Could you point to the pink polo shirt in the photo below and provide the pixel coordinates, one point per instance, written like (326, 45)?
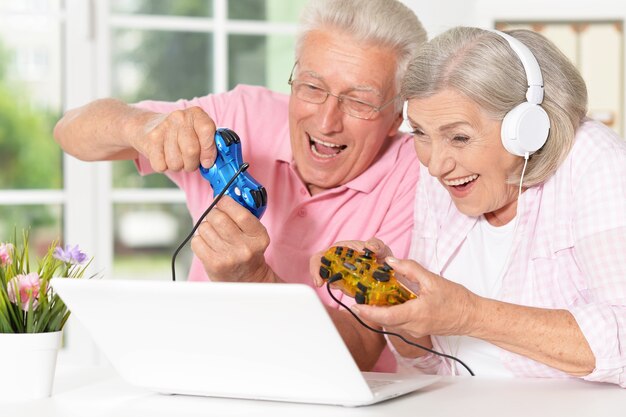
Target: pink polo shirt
(377, 203)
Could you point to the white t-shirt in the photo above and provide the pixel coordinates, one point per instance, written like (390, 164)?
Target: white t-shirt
(479, 266)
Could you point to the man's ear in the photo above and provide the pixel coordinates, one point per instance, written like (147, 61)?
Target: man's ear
(395, 127)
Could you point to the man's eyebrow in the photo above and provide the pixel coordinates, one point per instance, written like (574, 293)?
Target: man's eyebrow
(367, 89)
(363, 88)
(312, 74)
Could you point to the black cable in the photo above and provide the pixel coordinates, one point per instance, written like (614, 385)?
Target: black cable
(392, 333)
(241, 169)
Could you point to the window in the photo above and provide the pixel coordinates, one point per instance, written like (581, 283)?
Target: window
(31, 180)
(59, 54)
(167, 50)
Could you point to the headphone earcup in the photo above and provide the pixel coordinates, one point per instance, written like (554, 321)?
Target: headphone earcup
(525, 129)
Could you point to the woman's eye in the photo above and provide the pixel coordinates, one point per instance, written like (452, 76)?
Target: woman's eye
(420, 136)
(460, 139)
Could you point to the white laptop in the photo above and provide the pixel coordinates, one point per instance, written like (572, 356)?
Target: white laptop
(238, 340)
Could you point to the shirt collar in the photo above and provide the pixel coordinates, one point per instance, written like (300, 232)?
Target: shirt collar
(380, 168)
(283, 153)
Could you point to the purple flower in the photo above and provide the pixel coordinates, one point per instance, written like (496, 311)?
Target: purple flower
(70, 254)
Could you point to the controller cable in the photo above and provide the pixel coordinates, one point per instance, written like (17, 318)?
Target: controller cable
(241, 169)
(384, 332)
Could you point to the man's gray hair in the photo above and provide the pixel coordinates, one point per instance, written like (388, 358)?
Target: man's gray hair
(387, 23)
(482, 66)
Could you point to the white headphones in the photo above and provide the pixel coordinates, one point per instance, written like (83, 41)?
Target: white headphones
(525, 128)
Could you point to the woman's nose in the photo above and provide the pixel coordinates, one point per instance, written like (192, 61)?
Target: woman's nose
(441, 161)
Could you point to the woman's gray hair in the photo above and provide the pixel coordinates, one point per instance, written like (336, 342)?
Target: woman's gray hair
(481, 65)
(386, 23)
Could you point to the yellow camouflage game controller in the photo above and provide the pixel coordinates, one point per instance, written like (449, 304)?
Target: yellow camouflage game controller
(358, 275)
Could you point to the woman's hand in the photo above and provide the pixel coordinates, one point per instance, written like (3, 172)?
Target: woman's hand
(442, 307)
(375, 245)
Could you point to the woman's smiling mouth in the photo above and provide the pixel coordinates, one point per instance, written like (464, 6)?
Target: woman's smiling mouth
(460, 184)
(460, 181)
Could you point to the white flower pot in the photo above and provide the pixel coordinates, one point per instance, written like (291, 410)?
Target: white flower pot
(28, 363)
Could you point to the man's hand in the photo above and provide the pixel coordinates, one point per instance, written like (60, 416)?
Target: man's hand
(181, 140)
(231, 244)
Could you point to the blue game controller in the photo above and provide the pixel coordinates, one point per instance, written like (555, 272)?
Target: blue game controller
(245, 190)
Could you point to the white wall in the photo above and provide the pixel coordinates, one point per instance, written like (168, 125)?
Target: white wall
(437, 16)
(486, 10)
(443, 14)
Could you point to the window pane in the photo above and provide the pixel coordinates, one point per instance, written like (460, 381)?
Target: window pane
(202, 8)
(43, 221)
(161, 65)
(30, 100)
(247, 55)
(269, 10)
(260, 60)
(125, 175)
(158, 65)
(146, 236)
(38, 6)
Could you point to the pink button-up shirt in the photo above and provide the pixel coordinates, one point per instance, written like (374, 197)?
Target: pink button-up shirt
(378, 203)
(569, 250)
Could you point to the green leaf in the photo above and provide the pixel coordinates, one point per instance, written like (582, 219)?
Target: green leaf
(30, 315)
(5, 323)
(55, 322)
(15, 314)
(65, 317)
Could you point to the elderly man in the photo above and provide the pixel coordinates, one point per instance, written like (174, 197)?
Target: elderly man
(330, 155)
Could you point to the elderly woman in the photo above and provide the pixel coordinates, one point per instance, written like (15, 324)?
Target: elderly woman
(519, 244)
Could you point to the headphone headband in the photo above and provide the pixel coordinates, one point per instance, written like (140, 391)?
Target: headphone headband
(534, 94)
(526, 127)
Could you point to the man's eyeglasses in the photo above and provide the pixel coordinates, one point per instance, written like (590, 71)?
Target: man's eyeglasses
(312, 93)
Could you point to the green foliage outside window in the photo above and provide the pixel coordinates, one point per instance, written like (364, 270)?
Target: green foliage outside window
(29, 157)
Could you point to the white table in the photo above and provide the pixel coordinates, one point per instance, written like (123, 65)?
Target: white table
(99, 392)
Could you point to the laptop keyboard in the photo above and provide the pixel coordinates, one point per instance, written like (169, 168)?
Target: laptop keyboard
(377, 383)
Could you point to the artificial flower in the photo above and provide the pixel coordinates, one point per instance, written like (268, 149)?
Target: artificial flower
(27, 303)
(5, 253)
(72, 255)
(24, 288)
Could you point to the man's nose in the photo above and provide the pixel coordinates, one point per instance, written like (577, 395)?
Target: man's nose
(331, 116)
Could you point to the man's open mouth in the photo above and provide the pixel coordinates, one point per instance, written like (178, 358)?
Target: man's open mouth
(323, 149)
